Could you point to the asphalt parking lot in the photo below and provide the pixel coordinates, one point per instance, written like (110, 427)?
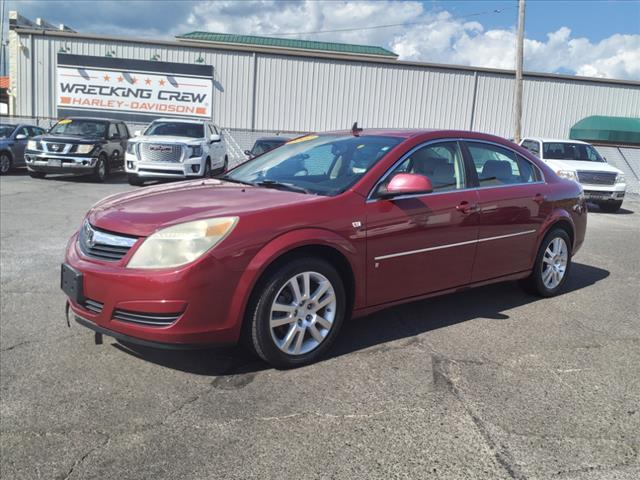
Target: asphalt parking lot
(491, 383)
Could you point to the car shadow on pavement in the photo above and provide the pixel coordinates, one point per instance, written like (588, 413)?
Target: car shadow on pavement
(115, 178)
(394, 323)
(594, 208)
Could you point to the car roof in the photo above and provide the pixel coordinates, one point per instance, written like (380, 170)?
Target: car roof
(19, 125)
(555, 140)
(94, 119)
(271, 139)
(181, 120)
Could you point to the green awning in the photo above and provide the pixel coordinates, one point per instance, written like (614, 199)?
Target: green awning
(597, 128)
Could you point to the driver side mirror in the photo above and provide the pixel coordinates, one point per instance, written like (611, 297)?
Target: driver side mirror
(406, 184)
(21, 136)
(215, 138)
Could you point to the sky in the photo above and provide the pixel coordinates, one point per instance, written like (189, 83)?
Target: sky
(599, 38)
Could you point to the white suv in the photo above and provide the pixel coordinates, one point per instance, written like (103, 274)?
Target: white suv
(579, 161)
(171, 148)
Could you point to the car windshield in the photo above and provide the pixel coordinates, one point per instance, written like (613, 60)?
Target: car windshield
(262, 146)
(6, 130)
(176, 129)
(323, 165)
(571, 151)
(80, 127)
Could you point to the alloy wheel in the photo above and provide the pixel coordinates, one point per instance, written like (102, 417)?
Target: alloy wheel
(554, 263)
(303, 313)
(5, 163)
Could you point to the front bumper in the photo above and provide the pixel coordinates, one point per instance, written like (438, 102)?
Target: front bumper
(199, 296)
(52, 163)
(604, 193)
(191, 167)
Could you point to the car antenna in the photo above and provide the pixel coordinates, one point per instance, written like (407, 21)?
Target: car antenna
(355, 130)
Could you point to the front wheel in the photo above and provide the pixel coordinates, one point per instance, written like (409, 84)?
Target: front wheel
(296, 313)
(100, 170)
(610, 207)
(225, 166)
(552, 265)
(5, 163)
(135, 180)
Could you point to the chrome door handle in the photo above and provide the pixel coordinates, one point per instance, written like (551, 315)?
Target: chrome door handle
(539, 198)
(466, 207)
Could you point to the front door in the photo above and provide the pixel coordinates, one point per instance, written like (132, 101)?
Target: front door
(422, 243)
(512, 206)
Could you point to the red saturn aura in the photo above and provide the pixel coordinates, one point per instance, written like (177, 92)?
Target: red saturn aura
(285, 247)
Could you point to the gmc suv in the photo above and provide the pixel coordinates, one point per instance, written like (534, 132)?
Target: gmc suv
(172, 148)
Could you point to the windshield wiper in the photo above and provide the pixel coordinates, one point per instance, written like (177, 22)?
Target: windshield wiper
(227, 178)
(284, 186)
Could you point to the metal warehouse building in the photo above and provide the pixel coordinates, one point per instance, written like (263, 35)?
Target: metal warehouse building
(262, 84)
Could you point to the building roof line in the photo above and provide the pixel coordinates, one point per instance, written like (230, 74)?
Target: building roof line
(375, 59)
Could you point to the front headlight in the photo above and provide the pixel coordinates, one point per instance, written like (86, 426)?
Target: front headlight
(195, 151)
(569, 174)
(182, 243)
(32, 145)
(620, 178)
(85, 148)
(131, 148)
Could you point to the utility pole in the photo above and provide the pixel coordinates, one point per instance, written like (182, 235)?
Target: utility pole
(517, 134)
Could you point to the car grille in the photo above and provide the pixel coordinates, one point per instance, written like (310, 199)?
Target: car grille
(56, 147)
(153, 319)
(104, 245)
(156, 152)
(93, 305)
(597, 178)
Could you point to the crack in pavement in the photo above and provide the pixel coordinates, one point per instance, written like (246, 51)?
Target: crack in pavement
(84, 457)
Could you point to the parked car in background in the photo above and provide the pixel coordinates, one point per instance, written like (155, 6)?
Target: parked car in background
(13, 141)
(285, 247)
(82, 145)
(265, 144)
(603, 184)
(171, 148)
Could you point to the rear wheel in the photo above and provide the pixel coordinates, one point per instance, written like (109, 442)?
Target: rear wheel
(610, 207)
(101, 169)
(135, 180)
(37, 174)
(552, 265)
(5, 163)
(296, 313)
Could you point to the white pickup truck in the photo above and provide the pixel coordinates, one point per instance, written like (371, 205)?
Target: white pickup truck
(603, 184)
(171, 148)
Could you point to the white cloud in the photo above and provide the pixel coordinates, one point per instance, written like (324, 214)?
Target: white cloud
(439, 37)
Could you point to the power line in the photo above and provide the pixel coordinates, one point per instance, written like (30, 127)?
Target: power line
(375, 27)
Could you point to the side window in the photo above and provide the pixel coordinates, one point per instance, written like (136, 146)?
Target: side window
(499, 166)
(441, 163)
(533, 146)
(124, 131)
(23, 131)
(112, 130)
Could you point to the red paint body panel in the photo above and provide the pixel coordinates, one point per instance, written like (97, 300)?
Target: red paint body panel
(212, 292)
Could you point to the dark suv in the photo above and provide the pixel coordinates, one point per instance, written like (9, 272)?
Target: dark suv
(93, 146)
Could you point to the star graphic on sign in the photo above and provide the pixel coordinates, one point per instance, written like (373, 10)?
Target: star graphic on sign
(106, 78)
(148, 81)
(162, 82)
(120, 78)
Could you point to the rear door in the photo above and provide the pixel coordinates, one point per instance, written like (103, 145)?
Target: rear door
(19, 145)
(417, 244)
(511, 196)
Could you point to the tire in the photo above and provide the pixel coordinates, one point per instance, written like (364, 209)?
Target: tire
(610, 207)
(135, 180)
(207, 168)
(5, 163)
(552, 265)
(37, 175)
(225, 167)
(303, 333)
(101, 170)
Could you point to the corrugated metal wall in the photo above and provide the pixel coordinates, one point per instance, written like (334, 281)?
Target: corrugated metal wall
(307, 94)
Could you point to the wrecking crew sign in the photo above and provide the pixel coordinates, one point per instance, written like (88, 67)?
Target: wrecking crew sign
(132, 90)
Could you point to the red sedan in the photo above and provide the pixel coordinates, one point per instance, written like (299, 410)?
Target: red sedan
(285, 247)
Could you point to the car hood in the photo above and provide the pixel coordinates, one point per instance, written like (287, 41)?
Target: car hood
(141, 212)
(66, 139)
(166, 139)
(582, 166)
